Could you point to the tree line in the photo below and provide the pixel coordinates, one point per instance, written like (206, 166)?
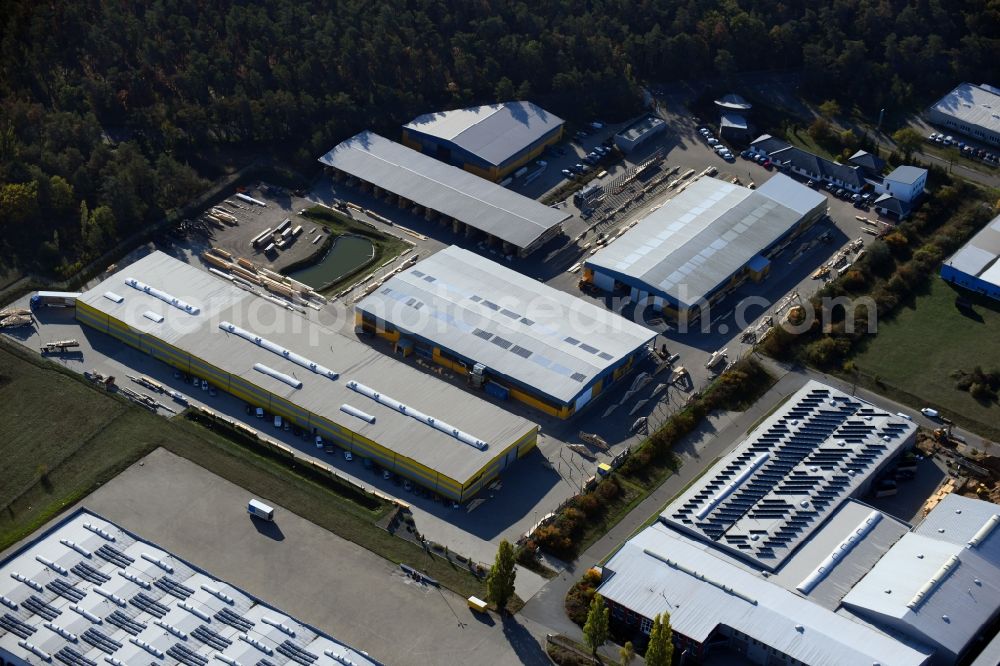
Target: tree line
(112, 114)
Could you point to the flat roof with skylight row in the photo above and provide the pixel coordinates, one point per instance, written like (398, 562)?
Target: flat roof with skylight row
(767, 496)
(87, 592)
(544, 338)
(316, 369)
(450, 191)
(696, 241)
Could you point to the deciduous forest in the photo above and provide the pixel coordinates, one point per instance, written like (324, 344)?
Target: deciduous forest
(112, 113)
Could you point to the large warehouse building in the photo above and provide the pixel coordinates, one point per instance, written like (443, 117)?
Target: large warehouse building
(771, 555)
(971, 110)
(368, 403)
(490, 141)
(706, 241)
(87, 592)
(975, 265)
(513, 336)
(470, 204)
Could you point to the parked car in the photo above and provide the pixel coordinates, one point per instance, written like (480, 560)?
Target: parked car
(260, 412)
(567, 173)
(407, 484)
(348, 456)
(386, 474)
(933, 136)
(761, 159)
(204, 385)
(712, 141)
(277, 422)
(930, 413)
(319, 442)
(767, 164)
(811, 185)
(728, 156)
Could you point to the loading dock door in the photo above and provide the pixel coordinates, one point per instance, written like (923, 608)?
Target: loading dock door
(583, 399)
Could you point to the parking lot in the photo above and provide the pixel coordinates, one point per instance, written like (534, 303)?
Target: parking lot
(304, 570)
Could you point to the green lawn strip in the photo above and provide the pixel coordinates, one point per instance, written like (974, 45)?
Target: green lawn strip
(916, 353)
(44, 417)
(134, 432)
(632, 495)
(800, 137)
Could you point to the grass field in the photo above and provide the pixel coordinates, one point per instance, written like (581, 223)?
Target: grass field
(917, 351)
(61, 438)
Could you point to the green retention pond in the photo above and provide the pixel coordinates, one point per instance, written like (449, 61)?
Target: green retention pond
(347, 254)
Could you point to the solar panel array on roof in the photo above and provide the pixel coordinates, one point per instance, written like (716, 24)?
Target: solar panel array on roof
(778, 485)
(120, 606)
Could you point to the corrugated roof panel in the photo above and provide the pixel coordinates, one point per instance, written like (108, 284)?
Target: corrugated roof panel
(477, 202)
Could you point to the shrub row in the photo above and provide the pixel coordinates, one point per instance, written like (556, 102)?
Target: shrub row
(736, 388)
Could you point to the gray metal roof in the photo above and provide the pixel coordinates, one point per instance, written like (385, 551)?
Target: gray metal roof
(88, 592)
(451, 191)
(734, 120)
(698, 239)
(640, 127)
(775, 488)
(219, 301)
(978, 257)
(907, 174)
(839, 554)
(494, 133)
(957, 519)
(660, 570)
(733, 101)
(796, 157)
(972, 104)
(545, 338)
(939, 592)
(791, 194)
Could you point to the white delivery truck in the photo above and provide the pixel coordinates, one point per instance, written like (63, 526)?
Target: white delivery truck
(258, 509)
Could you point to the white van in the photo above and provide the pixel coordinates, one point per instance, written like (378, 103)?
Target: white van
(277, 422)
(260, 510)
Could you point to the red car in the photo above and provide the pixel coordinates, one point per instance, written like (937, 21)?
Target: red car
(767, 164)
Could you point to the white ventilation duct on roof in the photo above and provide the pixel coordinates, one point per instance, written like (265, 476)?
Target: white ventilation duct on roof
(854, 538)
(280, 376)
(112, 296)
(152, 316)
(731, 487)
(928, 588)
(354, 411)
(163, 296)
(391, 403)
(278, 349)
(984, 531)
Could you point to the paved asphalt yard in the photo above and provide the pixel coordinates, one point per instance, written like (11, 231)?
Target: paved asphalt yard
(306, 571)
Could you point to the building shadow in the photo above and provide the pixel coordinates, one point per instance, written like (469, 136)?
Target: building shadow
(525, 646)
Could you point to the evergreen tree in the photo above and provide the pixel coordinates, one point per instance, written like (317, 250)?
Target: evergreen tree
(500, 581)
(661, 647)
(595, 631)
